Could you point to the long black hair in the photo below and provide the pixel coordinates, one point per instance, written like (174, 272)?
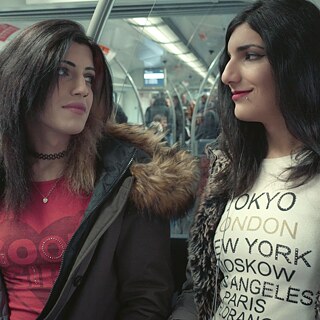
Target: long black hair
(290, 32)
(28, 74)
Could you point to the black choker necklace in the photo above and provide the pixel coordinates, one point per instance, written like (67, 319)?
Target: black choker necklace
(50, 156)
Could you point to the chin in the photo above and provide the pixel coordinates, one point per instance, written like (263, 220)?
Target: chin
(243, 115)
(75, 131)
(240, 116)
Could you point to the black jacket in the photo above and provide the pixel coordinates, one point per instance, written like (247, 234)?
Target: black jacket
(117, 264)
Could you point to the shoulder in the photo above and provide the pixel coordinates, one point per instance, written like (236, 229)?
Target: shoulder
(166, 178)
(218, 159)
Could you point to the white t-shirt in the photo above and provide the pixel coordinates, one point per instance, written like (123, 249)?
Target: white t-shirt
(267, 244)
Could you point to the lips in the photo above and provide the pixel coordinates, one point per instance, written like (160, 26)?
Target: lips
(236, 95)
(78, 108)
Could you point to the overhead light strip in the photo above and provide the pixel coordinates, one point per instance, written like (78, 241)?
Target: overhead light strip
(159, 32)
(56, 1)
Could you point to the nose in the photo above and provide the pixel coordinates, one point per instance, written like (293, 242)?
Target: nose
(80, 87)
(230, 73)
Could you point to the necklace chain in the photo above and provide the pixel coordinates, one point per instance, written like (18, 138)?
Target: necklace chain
(45, 199)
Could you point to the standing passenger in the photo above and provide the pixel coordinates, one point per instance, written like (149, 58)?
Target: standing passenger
(177, 109)
(254, 247)
(158, 107)
(84, 205)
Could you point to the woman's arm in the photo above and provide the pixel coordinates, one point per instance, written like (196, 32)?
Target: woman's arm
(144, 268)
(4, 308)
(184, 308)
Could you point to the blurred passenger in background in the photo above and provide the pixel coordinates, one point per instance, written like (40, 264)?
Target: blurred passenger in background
(159, 125)
(179, 118)
(203, 103)
(156, 124)
(184, 100)
(189, 112)
(207, 123)
(120, 115)
(85, 204)
(254, 246)
(158, 107)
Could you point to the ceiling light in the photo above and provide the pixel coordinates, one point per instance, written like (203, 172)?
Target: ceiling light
(56, 1)
(188, 57)
(159, 32)
(143, 22)
(175, 48)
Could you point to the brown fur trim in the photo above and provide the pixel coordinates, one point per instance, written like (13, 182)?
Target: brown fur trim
(167, 184)
(202, 259)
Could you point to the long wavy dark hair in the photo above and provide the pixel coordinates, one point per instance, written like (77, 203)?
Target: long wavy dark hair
(290, 31)
(28, 74)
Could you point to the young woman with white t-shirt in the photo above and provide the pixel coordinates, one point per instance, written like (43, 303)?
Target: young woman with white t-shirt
(253, 249)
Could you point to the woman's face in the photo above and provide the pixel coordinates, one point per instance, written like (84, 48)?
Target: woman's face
(67, 108)
(250, 79)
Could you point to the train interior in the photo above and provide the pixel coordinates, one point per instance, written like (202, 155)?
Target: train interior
(164, 51)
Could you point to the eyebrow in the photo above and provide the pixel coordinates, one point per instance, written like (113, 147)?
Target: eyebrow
(247, 46)
(73, 65)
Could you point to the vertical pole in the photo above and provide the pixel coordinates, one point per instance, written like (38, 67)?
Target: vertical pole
(99, 18)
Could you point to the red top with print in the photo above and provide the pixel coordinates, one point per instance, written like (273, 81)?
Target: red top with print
(32, 246)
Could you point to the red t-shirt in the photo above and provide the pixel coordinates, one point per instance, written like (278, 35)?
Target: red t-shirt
(31, 247)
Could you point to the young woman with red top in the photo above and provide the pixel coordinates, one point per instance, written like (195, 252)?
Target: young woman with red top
(85, 203)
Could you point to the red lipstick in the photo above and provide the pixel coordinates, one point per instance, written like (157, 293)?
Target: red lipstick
(236, 95)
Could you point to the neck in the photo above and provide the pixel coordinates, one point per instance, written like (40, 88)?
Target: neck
(280, 141)
(48, 170)
(45, 140)
(282, 144)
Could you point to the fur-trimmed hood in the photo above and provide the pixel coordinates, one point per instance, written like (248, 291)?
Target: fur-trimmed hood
(167, 184)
